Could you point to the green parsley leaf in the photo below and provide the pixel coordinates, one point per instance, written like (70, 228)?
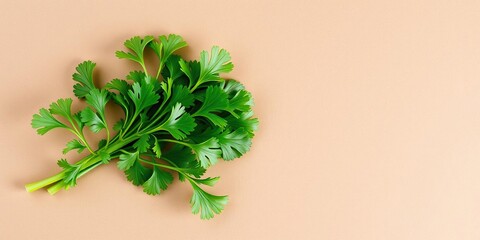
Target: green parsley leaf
(245, 121)
(74, 144)
(104, 156)
(215, 101)
(231, 87)
(157, 48)
(206, 203)
(180, 123)
(127, 160)
(84, 77)
(191, 70)
(121, 86)
(119, 125)
(143, 96)
(142, 144)
(102, 143)
(136, 76)
(173, 67)
(156, 147)
(218, 61)
(62, 108)
(171, 44)
(158, 181)
(98, 100)
(234, 144)
(44, 122)
(207, 152)
(205, 133)
(123, 101)
(137, 46)
(180, 94)
(91, 119)
(138, 174)
(182, 157)
(78, 120)
(208, 181)
(167, 88)
(71, 172)
(241, 102)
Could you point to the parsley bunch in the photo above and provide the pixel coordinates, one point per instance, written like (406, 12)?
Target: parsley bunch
(180, 120)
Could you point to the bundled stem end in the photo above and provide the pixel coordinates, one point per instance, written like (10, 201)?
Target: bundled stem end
(34, 186)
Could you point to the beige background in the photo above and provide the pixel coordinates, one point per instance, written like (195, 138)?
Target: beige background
(370, 119)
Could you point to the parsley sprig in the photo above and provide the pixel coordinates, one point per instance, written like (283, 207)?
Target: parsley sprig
(180, 120)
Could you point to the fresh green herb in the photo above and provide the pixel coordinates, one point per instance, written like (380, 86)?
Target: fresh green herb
(180, 120)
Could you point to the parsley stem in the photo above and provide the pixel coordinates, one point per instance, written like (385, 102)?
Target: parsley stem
(159, 110)
(144, 68)
(80, 135)
(190, 179)
(160, 165)
(159, 69)
(199, 82)
(108, 136)
(126, 119)
(53, 179)
(179, 170)
(129, 125)
(171, 162)
(61, 184)
(174, 141)
(155, 119)
(92, 162)
(89, 162)
(56, 187)
(45, 182)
